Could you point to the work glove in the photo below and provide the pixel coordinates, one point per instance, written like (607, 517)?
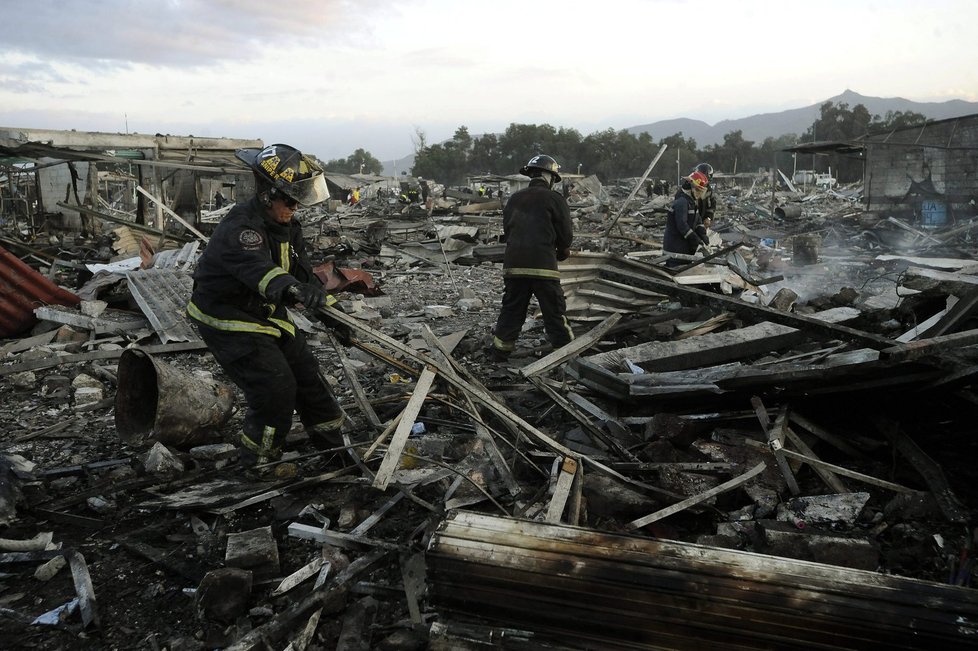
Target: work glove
(341, 331)
(706, 249)
(309, 294)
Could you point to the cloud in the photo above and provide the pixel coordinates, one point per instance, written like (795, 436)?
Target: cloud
(176, 33)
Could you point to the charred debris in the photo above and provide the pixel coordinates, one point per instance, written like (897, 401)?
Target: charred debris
(772, 447)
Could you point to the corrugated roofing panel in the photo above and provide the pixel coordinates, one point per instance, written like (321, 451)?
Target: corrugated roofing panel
(162, 295)
(21, 290)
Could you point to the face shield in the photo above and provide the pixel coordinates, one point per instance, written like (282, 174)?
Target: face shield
(307, 191)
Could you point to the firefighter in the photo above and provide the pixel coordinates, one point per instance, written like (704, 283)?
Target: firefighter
(685, 232)
(253, 267)
(537, 232)
(707, 206)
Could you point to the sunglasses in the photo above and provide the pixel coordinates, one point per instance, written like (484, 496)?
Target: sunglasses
(288, 201)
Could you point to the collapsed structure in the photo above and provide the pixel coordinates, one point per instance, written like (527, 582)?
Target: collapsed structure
(768, 448)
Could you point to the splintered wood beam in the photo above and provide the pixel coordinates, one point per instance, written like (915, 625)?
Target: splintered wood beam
(696, 499)
(481, 431)
(929, 470)
(408, 416)
(575, 347)
(775, 440)
(351, 376)
(827, 476)
(839, 470)
(562, 490)
(167, 210)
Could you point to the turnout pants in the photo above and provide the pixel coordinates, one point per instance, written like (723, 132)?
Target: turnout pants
(278, 375)
(517, 292)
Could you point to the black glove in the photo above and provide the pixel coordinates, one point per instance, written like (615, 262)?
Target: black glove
(311, 295)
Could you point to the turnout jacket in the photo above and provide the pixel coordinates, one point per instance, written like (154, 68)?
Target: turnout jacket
(684, 227)
(537, 231)
(245, 270)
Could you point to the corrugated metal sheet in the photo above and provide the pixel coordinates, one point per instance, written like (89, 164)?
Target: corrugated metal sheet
(162, 295)
(21, 290)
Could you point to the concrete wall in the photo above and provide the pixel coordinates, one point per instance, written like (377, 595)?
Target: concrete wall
(53, 182)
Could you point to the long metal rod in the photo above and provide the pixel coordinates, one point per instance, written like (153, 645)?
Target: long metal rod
(634, 191)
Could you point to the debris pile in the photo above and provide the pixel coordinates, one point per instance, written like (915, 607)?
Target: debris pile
(772, 445)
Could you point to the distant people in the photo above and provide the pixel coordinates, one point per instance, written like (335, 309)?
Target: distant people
(685, 232)
(413, 195)
(482, 190)
(425, 190)
(657, 188)
(219, 200)
(355, 196)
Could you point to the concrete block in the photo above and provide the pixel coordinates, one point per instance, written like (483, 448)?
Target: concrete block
(254, 550)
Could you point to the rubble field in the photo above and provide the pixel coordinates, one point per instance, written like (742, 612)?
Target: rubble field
(769, 447)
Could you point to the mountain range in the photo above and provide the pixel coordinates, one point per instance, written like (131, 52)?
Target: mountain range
(771, 125)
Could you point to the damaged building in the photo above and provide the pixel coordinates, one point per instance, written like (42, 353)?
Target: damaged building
(770, 446)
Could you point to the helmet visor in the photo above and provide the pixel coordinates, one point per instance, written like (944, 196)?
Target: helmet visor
(308, 191)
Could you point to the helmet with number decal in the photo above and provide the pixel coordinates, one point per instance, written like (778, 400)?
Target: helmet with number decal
(283, 171)
(541, 162)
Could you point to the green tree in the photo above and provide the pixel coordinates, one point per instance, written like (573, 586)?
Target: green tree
(359, 162)
(897, 120)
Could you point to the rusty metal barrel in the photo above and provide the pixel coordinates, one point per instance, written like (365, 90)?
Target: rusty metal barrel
(159, 402)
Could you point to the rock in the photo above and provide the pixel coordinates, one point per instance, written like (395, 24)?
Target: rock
(403, 640)
(55, 386)
(470, 304)
(820, 546)
(765, 500)
(911, 506)
(47, 571)
(842, 508)
(608, 498)
(783, 300)
(160, 460)
(100, 505)
(23, 380)
(93, 308)
(68, 335)
(213, 452)
(88, 396)
(223, 594)
(85, 381)
(438, 311)
(254, 550)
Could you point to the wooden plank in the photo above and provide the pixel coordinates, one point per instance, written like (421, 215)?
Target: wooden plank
(565, 479)
(575, 347)
(299, 576)
(775, 440)
(929, 470)
(481, 431)
(845, 472)
(338, 539)
(927, 347)
(696, 499)
(927, 324)
(284, 622)
(827, 476)
(83, 588)
(408, 417)
(706, 350)
(166, 209)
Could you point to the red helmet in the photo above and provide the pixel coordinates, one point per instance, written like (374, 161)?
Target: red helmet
(699, 180)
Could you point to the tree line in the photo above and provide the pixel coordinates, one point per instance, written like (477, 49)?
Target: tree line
(612, 154)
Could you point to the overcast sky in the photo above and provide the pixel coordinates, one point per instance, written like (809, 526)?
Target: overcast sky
(329, 76)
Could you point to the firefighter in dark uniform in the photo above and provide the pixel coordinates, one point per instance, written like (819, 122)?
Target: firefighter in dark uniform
(537, 231)
(685, 232)
(253, 267)
(707, 206)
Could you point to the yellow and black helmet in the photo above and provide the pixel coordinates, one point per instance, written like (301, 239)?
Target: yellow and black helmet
(283, 170)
